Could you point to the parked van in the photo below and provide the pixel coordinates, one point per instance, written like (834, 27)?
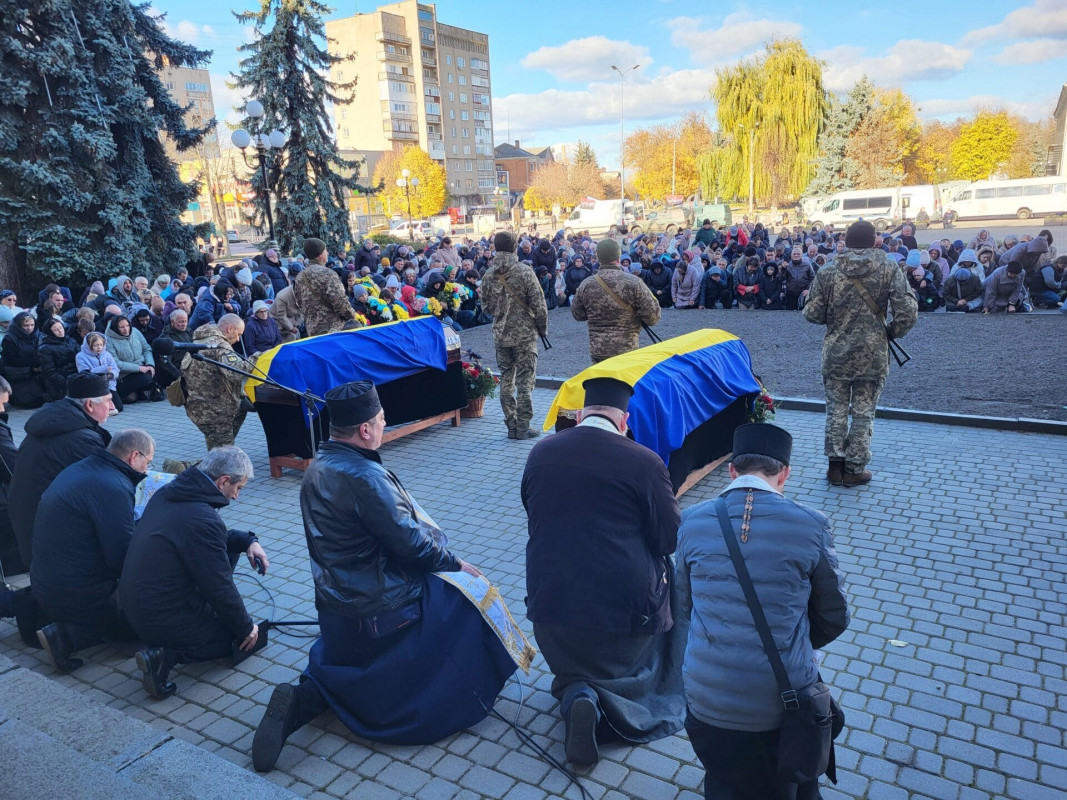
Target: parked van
(421, 228)
(1022, 199)
(599, 215)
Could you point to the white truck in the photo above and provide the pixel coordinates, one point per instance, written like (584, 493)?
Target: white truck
(598, 216)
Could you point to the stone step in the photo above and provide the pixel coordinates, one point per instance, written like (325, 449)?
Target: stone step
(55, 742)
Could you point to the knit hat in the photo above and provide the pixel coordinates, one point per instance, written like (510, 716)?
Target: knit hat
(963, 274)
(392, 282)
(504, 242)
(313, 248)
(913, 259)
(244, 276)
(924, 257)
(919, 273)
(386, 262)
(608, 251)
(258, 306)
(860, 235)
(1014, 267)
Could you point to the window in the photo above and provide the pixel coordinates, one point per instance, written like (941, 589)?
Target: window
(453, 131)
(963, 196)
(482, 115)
(451, 113)
(470, 183)
(344, 132)
(462, 80)
(196, 87)
(1010, 191)
(462, 98)
(401, 108)
(832, 205)
(485, 183)
(170, 85)
(428, 74)
(433, 108)
(466, 133)
(455, 149)
(426, 15)
(400, 88)
(466, 149)
(468, 166)
(478, 80)
(1037, 190)
(451, 97)
(464, 115)
(461, 62)
(344, 113)
(984, 194)
(426, 35)
(477, 63)
(448, 62)
(1059, 188)
(451, 78)
(433, 91)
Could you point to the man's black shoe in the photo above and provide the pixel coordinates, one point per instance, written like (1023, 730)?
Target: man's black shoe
(580, 744)
(56, 645)
(278, 722)
(154, 673)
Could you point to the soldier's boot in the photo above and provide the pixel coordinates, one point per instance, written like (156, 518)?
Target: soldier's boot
(528, 433)
(835, 474)
(856, 478)
(511, 432)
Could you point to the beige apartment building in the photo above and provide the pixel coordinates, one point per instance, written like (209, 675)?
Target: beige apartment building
(423, 83)
(192, 87)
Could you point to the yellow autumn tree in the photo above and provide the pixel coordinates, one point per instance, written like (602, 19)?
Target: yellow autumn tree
(932, 162)
(984, 145)
(431, 195)
(668, 154)
(885, 143)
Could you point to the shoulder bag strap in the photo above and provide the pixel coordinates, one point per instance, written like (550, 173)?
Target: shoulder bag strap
(789, 697)
(611, 293)
(873, 306)
(514, 295)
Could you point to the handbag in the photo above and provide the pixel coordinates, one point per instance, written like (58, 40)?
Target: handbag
(812, 720)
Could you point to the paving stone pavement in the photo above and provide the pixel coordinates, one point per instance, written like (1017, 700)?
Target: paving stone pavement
(956, 550)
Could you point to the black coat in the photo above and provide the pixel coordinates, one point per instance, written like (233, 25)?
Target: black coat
(57, 364)
(369, 550)
(602, 521)
(177, 570)
(543, 258)
(56, 436)
(573, 277)
(81, 535)
(9, 547)
(21, 361)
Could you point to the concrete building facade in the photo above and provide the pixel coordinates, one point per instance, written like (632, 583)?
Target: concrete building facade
(191, 87)
(420, 82)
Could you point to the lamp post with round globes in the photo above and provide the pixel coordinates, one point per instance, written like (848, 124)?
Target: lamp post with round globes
(264, 144)
(409, 185)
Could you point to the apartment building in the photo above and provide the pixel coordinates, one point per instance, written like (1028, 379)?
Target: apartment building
(420, 82)
(191, 87)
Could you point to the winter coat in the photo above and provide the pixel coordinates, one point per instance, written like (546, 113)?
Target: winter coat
(708, 286)
(214, 393)
(58, 362)
(685, 285)
(771, 291)
(177, 574)
(286, 313)
(1003, 290)
(573, 277)
(369, 549)
(970, 289)
(102, 364)
(544, 255)
(706, 237)
(154, 329)
(57, 435)
(602, 565)
(925, 291)
(746, 286)
(185, 337)
(273, 270)
(21, 361)
(1026, 253)
(81, 534)
(366, 257)
(209, 310)
(260, 335)
(119, 296)
(512, 296)
(10, 560)
(791, 559)
(614, 329)
(798, 275)
(659, 282)
(131, 352)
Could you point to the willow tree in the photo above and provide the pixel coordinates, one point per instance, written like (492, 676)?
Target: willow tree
(770, 110)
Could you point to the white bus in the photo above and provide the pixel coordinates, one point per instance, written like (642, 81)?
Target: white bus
(1023, 198)
(880, 206)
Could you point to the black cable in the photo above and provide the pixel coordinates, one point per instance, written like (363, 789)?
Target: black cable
(274, 609)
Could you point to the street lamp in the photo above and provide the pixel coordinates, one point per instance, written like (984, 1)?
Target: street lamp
(622, 137)
(409, 185)
(264, 144)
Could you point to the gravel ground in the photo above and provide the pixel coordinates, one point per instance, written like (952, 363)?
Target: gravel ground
(970, 364)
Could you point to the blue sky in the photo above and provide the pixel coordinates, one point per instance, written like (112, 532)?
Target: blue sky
(551, 60)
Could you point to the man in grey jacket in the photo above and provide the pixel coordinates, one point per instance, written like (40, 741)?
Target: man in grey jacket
(735, 710)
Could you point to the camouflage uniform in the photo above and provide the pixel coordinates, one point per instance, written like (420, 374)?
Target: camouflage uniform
(855, 352)
(321, 300)
(515, 330)
(613, 329)
(214, 394)
(287, 314)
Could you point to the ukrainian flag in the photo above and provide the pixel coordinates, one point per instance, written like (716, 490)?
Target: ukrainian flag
(380, 353)
(679, 384)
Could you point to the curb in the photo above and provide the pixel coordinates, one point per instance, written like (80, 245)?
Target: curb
(1013, 424)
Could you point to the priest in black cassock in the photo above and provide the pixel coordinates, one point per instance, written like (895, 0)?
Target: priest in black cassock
(603, 523)
(403, 657)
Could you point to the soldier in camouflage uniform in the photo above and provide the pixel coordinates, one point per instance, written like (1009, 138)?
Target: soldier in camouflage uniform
(855, 353)
(320, 296)
(214, 396)
(512, 294)
(614, 317)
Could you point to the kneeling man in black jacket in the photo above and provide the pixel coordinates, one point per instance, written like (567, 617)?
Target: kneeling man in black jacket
(177, 586)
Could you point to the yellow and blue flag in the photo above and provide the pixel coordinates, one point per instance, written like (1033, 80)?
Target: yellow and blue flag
(679, 384)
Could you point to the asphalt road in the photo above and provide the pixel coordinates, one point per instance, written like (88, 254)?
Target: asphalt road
(1003, 366)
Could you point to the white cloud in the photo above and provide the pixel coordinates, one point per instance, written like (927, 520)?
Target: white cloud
(226, 100)
(189, 32)
(907, 60)
(587, 59)
(1045, 18)
(1032, 52)
(965, 106)
(738, 34)
(670, 93)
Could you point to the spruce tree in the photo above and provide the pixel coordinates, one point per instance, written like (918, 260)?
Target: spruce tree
(835, 171)
(87, 189)
(584, 155)
(285, 68)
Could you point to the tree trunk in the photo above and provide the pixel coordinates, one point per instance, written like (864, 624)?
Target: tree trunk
(12, 262)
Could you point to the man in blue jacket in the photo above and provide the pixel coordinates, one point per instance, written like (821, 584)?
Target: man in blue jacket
(735, 708)
(80, 537)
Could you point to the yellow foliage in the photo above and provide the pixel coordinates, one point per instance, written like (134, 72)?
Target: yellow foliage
(432, 193)
(983, 146)
(663, 152)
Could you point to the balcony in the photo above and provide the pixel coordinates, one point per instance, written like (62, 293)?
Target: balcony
(396, 76)
(392, 38)
(387, 115)
(429, 60)
(402, 59)
(434, 137)
(407, 136)
(437, 150)
(433, 117)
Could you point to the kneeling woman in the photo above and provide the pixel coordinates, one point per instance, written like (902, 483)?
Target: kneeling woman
(403, 657)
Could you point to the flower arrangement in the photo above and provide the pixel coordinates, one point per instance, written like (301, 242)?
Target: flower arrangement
(372, 287)
(380, 309)
(478, 379)
(399, 312)
(763, 407)
(433, 306)
(362, 320)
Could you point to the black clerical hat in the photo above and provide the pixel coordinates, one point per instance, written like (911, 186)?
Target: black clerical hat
(352, 403)
(763, 439)
(86, 385)
(607, 392)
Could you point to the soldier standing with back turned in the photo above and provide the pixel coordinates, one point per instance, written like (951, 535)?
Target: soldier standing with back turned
(615, 303)
(851, 296)
(512, 294)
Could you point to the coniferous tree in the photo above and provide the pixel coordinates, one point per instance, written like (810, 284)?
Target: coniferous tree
(86, 186)
(285, 69)
(836, 171)
(584, 155)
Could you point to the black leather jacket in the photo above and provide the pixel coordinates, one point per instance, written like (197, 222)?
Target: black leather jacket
(368, 548)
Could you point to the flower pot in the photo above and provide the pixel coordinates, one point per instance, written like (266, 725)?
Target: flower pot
(475, 408)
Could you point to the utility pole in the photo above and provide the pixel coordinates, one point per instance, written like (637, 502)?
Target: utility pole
(622, 138)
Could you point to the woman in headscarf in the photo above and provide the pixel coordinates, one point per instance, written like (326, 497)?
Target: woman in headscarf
(21, 361)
